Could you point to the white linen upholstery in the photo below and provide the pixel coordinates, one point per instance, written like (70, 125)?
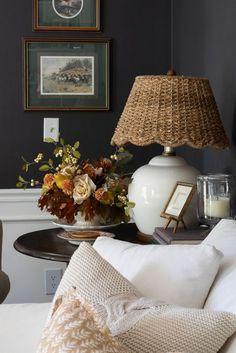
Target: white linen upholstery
(118, 303)
(223, 294)
(21, 326)
(176, 274)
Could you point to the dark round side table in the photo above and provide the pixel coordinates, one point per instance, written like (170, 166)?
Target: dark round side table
(45, 244)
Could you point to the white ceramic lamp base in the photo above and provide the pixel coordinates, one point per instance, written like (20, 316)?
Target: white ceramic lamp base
(151, 188)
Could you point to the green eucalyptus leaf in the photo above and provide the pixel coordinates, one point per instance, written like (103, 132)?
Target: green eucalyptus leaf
(124, 157)
(126, 211)
(62, 142)
(50, 162)
(20, 178)
(19, 185)
(44, 168)
(131, 204)
(49, 140)
(76, 154)
(121, 150)
(76, 145)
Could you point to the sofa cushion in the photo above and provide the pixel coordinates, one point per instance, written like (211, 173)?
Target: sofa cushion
(178, 274)
(189, 330)
(223, 293)
(21, 326)
(94, 278)
(76, 328)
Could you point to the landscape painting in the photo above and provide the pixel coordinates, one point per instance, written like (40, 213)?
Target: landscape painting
(67, 8)
(67, 75)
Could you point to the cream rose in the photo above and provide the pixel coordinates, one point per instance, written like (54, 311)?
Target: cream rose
(83, 188)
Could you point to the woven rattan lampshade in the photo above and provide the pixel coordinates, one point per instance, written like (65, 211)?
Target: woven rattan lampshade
(171, 111)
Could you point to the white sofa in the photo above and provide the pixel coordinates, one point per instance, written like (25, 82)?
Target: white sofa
(21, 324)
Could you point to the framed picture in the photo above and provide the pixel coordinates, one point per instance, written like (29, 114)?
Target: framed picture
(66, 15)
(178, 202)
(66, 74)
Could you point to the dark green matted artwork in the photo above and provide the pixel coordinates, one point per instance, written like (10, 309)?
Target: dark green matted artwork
(66, 74)
(56, 15)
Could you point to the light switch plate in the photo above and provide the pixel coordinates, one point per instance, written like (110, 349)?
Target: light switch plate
(51, 128)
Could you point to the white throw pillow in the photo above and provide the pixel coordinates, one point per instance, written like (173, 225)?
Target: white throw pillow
(177, 274)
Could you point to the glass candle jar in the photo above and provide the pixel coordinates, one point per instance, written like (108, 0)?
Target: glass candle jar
(214, 198)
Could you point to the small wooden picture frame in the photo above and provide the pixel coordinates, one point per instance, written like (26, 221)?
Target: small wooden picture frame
(178, 203)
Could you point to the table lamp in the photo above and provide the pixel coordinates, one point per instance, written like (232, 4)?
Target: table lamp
(172, 111)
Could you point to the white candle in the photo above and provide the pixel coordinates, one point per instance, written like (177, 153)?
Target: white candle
(218, 208)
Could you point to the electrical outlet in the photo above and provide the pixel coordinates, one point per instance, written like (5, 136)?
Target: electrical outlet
(52, 280)
(51, 128)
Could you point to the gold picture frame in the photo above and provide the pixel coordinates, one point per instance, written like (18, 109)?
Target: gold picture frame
(178, 203)
(83, 87)
(49, 15)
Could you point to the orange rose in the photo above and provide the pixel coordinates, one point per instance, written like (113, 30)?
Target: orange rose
(99, 193)
(67, 186)
(48, 180)
(89, 170)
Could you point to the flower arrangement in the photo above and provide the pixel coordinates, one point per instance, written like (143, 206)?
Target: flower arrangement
(97, 188)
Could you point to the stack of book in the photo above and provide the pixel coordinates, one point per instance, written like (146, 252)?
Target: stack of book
(182, 236)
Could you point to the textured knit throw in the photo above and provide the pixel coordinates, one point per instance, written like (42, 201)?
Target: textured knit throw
(148, 326)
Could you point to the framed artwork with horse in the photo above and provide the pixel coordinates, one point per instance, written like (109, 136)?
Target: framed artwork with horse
(66, 74)
(66, 15)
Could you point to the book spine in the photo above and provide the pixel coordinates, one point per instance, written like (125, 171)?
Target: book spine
(159, 240)
(161, 234)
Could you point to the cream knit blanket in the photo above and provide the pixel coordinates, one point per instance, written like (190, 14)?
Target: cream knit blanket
(149, 326)
(123, 311)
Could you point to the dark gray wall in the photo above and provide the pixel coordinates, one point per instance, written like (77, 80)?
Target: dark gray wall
(204, 33)
(204, 45)
(140, 45)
